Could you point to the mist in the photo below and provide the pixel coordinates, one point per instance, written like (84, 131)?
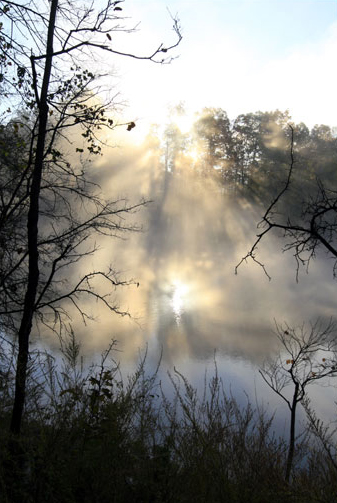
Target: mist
(186, 300)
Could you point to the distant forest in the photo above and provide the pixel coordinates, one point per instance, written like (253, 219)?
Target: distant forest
(263, 158)
(250, 155)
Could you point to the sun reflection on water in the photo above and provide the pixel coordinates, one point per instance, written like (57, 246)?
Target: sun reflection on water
(179, 299)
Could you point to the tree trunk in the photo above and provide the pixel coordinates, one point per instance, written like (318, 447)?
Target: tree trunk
(292, 434)
(32, 226)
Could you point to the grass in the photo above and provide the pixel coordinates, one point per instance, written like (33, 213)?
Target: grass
(90, 436)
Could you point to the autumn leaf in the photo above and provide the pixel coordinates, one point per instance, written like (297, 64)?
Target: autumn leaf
(131, 125)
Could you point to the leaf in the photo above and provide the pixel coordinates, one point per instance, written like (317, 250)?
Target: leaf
(131, 125)
(107, 376)
(93, 380)
(21, 71)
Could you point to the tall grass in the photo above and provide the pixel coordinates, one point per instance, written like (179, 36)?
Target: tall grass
(91, 436)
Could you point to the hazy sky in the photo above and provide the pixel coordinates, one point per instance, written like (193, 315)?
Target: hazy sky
(240, 55)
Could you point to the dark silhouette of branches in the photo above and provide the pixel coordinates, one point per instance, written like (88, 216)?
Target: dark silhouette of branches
(315, 228)
(306, 357)
(48, 204)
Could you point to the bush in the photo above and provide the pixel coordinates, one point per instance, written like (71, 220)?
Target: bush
(90, 436)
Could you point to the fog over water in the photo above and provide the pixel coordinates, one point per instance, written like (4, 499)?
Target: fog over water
(189, 301)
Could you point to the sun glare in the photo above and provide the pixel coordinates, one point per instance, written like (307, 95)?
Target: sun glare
(179, 298)
(183, 122)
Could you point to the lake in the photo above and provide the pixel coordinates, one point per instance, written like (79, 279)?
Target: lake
(187, 303)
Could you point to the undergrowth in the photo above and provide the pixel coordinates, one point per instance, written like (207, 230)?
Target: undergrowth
(90, 436)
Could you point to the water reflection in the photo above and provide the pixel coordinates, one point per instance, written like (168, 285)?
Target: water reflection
(188, 304)
(179, 299)
(189, 301)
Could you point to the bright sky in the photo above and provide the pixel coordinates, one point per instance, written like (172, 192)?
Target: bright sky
(240, 55)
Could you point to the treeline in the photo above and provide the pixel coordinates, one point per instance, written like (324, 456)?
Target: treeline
(250, 155)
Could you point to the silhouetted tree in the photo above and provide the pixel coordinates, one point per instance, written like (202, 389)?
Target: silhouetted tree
(245, 155)
(306, 357)
(46, 47)
(213, 132)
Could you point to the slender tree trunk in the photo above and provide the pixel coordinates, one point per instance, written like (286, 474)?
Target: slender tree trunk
(292, 434)
(32, 226)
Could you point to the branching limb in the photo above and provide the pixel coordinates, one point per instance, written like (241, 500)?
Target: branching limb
(317, 227)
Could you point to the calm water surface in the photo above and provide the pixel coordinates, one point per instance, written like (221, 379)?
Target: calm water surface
(189, 303)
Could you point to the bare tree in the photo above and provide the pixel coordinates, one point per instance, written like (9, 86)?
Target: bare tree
(50, 82)
(306, 357)
(315, 228)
